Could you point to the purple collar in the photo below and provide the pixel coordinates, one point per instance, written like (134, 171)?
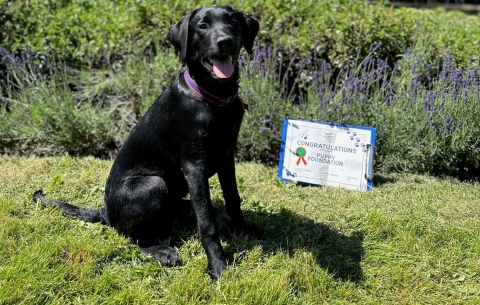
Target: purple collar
(207, 96)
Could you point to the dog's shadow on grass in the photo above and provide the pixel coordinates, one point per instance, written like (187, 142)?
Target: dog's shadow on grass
(285, 231)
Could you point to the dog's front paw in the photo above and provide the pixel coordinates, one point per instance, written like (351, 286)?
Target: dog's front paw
(216, 270)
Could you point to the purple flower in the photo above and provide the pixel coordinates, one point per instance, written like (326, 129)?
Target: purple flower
(247, 93)
(390, 99)
(7, 60)
(6, 102)
(443, 73)
(241, 62)
(374, 47)
(367, 60)
(432, 95)
(443, 96)
(448, 120)
(427, 106)
(395, 68)
(384, 83)
(415, 64)
(302, 63)
(409, 52)
(300, 100)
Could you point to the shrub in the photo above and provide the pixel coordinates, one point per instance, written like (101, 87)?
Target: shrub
(86, 31)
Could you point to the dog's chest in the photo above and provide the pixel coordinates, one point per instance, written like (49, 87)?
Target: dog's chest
(222, 137)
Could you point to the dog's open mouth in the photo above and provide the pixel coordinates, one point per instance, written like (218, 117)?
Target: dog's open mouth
(222, 68)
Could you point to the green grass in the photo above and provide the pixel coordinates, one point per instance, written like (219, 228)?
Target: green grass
(412, 240)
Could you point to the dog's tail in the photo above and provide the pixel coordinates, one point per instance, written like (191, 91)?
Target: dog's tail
(89, 215)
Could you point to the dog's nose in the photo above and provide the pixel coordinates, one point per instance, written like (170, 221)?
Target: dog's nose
(225, 43)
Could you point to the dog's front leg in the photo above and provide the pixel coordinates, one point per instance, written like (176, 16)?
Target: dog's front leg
(228, 182)
(197, 181)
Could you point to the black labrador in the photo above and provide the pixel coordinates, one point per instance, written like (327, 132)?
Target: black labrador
(188, 135)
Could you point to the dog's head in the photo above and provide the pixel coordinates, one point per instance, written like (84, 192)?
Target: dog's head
(211, 39)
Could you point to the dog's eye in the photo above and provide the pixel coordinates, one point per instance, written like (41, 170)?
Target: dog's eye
(203, 26)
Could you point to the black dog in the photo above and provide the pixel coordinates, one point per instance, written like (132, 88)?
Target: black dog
(188, 135)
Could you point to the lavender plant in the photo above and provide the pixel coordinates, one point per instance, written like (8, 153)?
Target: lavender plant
(425, 111)
(425, 115)
(39, 114)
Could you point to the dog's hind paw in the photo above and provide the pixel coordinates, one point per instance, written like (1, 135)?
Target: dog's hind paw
(167, 256)
(248, 230)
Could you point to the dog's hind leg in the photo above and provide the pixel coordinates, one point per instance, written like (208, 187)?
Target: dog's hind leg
(139, 208)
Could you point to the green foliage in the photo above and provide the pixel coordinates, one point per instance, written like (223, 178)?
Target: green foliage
(448, 31)
(98, 30)
(81, 31)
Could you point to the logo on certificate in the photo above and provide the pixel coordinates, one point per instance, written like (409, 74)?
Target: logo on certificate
(301, 153)
(330, 137)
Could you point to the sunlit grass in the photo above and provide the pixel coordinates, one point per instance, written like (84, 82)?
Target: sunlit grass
(411, 240)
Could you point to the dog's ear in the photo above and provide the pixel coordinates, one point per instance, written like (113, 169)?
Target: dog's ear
(250, 27)
(178, 35)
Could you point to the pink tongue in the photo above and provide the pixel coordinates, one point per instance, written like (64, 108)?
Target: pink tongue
(223, 68)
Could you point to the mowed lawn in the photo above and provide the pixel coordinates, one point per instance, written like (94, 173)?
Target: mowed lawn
(411, 240)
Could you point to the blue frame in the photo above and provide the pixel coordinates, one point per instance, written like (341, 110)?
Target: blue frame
(284, 139)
